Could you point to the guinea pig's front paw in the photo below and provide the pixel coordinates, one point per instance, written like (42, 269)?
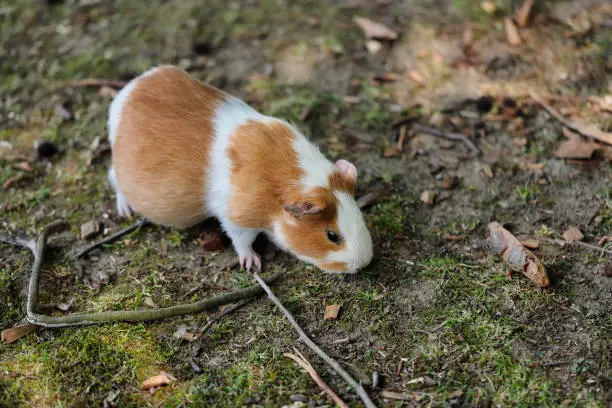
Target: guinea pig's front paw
(250, 259)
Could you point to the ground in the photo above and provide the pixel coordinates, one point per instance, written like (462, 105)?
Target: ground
(434, 315)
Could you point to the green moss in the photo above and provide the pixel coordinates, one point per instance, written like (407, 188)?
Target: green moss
(390, 216)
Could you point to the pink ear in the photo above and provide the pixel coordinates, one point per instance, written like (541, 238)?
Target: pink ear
(346, 168)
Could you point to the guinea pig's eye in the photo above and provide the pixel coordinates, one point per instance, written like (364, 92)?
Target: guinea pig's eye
(333, 237)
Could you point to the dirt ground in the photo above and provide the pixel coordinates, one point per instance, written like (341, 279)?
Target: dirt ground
(434, 315)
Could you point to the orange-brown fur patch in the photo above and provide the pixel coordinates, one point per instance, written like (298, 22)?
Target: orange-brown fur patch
(266, 178)
(309, 233)
(163, 144)
(340, 182)
(265, 172)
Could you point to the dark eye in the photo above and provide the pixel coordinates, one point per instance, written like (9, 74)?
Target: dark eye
(333, 237)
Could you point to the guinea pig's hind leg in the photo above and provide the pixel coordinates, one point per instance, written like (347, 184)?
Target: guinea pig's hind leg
(243, 239)
(123, 207)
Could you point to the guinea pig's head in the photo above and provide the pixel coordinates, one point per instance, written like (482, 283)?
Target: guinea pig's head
(325, 227)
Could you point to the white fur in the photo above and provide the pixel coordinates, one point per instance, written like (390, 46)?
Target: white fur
(358, 240)
(230, 115)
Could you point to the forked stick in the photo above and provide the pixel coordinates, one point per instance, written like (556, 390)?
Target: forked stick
(306, 340)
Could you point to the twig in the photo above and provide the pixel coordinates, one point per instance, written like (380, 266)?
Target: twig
(224, 312)
(592, 247)
(401, 139)
(372, 197)
(306, 340)
(590, 131)
(305, 364)
(97, 82)
(447, 135)
(84, 250)
(77, 319)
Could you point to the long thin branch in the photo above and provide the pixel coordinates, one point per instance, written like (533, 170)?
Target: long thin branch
(97, 82)
(86, 249)
(591, 247)
(306, 340)
(447, 135)
(305, 364)
(77, 319)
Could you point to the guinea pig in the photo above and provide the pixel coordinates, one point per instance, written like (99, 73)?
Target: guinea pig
(183, 151)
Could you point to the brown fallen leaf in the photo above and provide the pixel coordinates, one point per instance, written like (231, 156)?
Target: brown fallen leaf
(575, 147)
(13, 334)
(9, 181)
(331, 312)
(605, 239)
(512, 33)
(416, 77)
(375, 30)
(163, 378)
(391, 151)
(486, 169)
(576, 124)
(453, 237)
(522, 14)
(530, 243)
(573, 234)
(211, 241)
(503, 243)
(24, 165)
(428, 197)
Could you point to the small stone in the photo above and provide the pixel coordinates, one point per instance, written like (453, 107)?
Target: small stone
(90, 229)
(373, 46)
(488, 6)
(573, 234)
(428, 197)
(298, 397)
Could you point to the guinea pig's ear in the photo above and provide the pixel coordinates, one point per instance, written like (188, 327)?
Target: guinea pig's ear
(303, 208)
(346, 169)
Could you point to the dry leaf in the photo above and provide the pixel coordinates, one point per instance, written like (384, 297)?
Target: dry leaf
(24, 165)
(486, 169)
(575, 147)
(453, 237)
(428, 197)
(522, 14)
(391, 151)
(605, 239)
(159, 380)
(573, 234)
(13, 334)
(530, 243)
(372, 29)
(416, 77)
(331, 312)
(211, 241)
(503, 243)
(512, 33)
(9, 181)
(577, 125)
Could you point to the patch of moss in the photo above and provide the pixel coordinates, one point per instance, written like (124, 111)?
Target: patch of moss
(390, 216)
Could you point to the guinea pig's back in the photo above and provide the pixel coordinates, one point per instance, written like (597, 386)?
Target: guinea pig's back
(161, 130)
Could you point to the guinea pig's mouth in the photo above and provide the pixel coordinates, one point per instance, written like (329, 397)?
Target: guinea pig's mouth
(338, 268)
